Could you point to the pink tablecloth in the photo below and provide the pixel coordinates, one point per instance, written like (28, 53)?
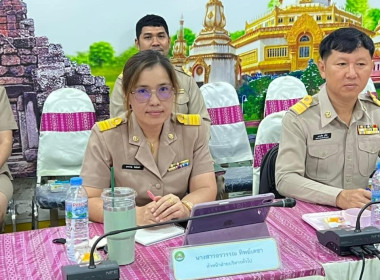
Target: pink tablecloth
(32, 255)
(289, 222)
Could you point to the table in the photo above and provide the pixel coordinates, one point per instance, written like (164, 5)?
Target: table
(32, 255)
(289, 222)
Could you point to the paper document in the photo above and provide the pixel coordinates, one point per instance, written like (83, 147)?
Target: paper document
(149, 236)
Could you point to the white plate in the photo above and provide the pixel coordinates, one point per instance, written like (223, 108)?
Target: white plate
(317, 220)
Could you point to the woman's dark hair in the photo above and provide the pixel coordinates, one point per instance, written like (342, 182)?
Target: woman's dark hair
(345, 40)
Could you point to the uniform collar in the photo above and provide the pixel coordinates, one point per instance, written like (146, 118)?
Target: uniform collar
(327, 110)
(328, 113)
(144, 156)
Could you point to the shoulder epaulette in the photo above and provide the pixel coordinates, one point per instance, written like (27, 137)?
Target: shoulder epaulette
(186, 70)
(120, 76)
(374, 97)
(302, 105)
(109, 124)
(189, 119)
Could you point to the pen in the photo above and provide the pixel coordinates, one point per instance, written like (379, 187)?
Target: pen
(152, 197)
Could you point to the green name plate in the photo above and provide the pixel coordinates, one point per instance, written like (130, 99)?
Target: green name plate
(212, 260)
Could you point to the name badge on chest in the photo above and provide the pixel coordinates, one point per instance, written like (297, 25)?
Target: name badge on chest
(322, 136)
(132, 166)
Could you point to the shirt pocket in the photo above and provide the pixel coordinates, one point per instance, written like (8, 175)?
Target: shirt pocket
(367, 154)
(182, 103)
(322, 162)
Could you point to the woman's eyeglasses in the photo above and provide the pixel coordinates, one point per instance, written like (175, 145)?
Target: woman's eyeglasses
(143, 94)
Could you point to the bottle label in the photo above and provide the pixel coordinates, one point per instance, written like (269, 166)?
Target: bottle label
(77, 210)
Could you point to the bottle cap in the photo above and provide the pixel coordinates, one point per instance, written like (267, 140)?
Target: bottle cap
(76, 181)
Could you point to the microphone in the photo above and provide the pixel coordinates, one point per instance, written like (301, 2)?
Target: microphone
(341, 241)
(110, 269)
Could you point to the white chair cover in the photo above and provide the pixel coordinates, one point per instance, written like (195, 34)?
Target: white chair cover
(66, 121)
(268, 135)
(370, 86)
(229, 140)
(283, 92)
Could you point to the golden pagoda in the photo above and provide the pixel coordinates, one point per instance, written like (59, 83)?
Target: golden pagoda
(212, 58)
(287, 37)
(179, 47)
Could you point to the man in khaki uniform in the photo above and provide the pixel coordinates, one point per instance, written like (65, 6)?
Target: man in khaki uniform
(152, 33)
(330, 142)
(7, 124)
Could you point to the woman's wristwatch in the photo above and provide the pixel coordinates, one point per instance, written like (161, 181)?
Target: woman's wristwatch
(188, 205)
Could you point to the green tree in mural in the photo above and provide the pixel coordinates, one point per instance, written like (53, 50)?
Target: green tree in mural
(101, 53)
(357, 6)
(273, 3)
(311, 78)
(80, 58)
(254, 108)
(189, 37)
(371, 19)
(237, 34)
(123, 58)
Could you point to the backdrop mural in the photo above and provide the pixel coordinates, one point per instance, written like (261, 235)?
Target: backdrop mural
(256, 46)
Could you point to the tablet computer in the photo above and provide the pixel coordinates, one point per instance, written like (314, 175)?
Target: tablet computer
(246, 224)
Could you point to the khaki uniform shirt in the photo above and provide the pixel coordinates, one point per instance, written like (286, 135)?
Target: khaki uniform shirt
(126, 148)
(319, 155)
(190, 99)
(7, 122)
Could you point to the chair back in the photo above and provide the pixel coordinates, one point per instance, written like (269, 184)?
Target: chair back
(229, 139)
(66, 121)
(267, 173)
(283, 92)
(268, 136)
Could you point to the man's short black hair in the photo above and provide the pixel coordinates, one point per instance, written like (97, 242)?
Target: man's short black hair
(150, 20)
(345, 40)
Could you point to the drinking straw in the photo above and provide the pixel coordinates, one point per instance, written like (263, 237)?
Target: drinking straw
(113, 186)
(112, 181)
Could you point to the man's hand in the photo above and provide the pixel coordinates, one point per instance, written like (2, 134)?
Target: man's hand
(356, 198)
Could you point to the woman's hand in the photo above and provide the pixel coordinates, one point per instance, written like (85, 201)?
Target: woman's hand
(169, 207)
(144, 214)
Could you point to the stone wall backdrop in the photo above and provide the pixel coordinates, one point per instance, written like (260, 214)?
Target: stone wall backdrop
(30, 69)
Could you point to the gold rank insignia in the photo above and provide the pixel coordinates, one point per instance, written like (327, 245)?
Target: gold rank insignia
(109, 124)
(189, 119)
(302, 105)
(184, 69)
(366, 129)
(120, 76)
(374, 97)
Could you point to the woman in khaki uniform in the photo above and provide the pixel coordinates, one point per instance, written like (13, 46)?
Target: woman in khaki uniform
(150, 150)
(7, 124)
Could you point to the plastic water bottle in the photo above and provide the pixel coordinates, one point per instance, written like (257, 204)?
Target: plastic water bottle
(76, 212)
(375, 208)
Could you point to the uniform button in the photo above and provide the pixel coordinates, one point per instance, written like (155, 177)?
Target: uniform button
(324, 154)
(158, 186)
(348, 180)
(349, 157)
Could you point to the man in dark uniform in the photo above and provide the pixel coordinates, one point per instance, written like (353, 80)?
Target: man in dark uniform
(152, 33)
